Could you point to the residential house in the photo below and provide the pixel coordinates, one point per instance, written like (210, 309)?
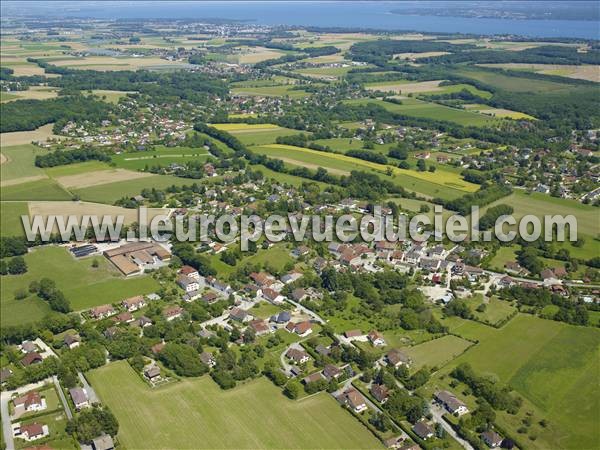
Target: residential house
(31, 358)
(301, 250)
(376, 338)
(353, 334)
(290, 277)
(28, 347)
(72, 341)
(172, 312)
(272, 296)
(297, 355)
(79, 397)
(32, 431)
(451, 403)
(188, 284)
(189, 272)
(355, 400)
(239, 315)
(491, 438)
(302, 329)
(331, 372)
(208, 359)
(102, 312)
(124, 317)
(316, 376)
(397, 358)
(322, 350)
(143, 322)
(380, 392)
(281, 318)
(260, 327)
(423, 430)
(152, 373)
(32, 401)
(209, 298)
(134, 303)
(299, 294)
(103, 442)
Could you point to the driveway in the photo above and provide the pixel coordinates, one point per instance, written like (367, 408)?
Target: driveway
(5, 397)
(437, 412)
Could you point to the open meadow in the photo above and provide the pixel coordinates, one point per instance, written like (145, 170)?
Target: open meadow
(195, 413)
(552, 365)
(440, 183)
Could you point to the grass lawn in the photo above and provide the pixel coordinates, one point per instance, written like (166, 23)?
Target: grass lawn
(418, 108)
(285, 178)
(264, 310)
(437, 352)
(195, 413)
(83, 285)
(504, 255)
(554, 366)
(10, 218)
(276, 257)
(111, 192)
(495, 311)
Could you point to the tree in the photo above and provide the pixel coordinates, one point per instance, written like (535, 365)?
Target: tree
(17, 265)
(292, 389)
(93, 422)
(421, 165)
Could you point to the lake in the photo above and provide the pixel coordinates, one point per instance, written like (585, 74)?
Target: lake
(371, 15)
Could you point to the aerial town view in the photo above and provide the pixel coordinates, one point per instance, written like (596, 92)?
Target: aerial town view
(300, 225)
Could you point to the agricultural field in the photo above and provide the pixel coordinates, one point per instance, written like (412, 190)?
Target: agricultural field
(83, 285)
(537, 358)
(111, 192)
(196, 413)
(424, 182)
(40, 189)
(325, 72)
(43, 133)
(270, 91)
(10, 218)
(539, 205)
(418, 108)
(512, 83)
(498, 112)
(581, 72)
(33, 93)
(99, 177)
(107, 63)
(159, 155)
(18, 164)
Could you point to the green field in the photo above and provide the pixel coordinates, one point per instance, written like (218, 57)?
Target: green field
(437, 352)
(271, 91)
(83, 285)
(541, 204)
(554, 366)
(445, 184)
(418, 108)
(264, 137)
(195, 413)
(512, 83)
(111, 192)
(44, 189)
(20, 162)
(10, 218)
(75, 169)
(276, 257)
(502, 256)
(284, 177)
(159, 156)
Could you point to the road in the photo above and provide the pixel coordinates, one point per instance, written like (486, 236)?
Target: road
(307, 311)
(287, 367)
(4, 399)
(63, 399)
